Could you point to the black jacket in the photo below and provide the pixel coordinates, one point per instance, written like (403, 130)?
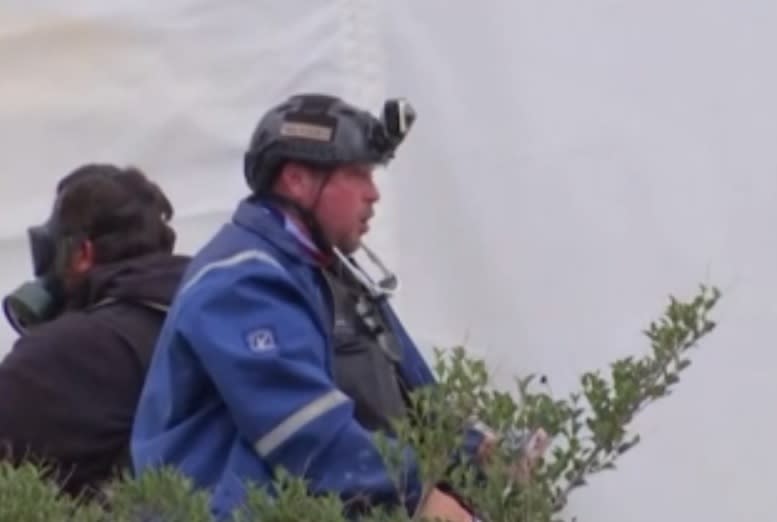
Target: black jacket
(69, 388)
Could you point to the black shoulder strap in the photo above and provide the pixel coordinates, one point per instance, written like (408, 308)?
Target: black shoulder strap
(152, 305)
(124, 462)
(125, 329)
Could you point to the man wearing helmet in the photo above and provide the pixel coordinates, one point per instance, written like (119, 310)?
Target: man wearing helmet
(279, 351)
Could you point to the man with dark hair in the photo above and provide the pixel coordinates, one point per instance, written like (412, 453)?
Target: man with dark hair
(105, 274)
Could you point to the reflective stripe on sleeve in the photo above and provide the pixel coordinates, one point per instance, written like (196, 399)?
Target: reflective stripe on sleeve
(297, 420)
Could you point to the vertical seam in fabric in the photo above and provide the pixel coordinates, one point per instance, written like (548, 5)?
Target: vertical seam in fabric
(364, 58)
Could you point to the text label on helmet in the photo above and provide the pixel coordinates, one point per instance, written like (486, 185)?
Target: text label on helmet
(308, 131)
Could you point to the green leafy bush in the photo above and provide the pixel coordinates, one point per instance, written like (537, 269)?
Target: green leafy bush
(589, 431)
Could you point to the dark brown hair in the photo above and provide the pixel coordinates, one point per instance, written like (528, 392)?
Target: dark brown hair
(121, 211)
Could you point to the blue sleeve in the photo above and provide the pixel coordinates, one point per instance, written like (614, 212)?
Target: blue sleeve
(260, 344)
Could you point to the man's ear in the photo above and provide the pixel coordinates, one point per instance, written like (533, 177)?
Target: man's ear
(82, 259)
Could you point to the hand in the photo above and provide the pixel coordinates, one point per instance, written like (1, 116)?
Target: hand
(486, 448)
(532, 452)
(439, 506)
(534, 448)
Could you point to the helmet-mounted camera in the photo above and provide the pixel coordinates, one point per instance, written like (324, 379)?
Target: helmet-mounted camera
(397, 118)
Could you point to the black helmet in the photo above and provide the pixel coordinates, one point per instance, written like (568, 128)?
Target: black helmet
(323, 131)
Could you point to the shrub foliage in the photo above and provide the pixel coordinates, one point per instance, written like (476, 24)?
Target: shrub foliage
(588, 432)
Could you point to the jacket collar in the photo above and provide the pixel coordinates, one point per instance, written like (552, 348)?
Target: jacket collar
(270, 224)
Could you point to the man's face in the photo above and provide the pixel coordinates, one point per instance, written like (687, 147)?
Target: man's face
(345, 205)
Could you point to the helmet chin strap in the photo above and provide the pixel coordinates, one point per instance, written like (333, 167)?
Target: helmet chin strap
(307, 215)
(388, 283)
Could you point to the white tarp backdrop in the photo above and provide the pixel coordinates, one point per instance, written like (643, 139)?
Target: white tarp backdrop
(573, 163)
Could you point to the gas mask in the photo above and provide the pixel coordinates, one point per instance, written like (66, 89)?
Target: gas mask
(40, 300)
(385, 285)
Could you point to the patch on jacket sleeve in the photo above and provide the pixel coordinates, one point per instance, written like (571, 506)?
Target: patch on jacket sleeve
(261, 340)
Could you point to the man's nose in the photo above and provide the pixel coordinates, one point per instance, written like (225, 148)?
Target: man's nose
(373, 192)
